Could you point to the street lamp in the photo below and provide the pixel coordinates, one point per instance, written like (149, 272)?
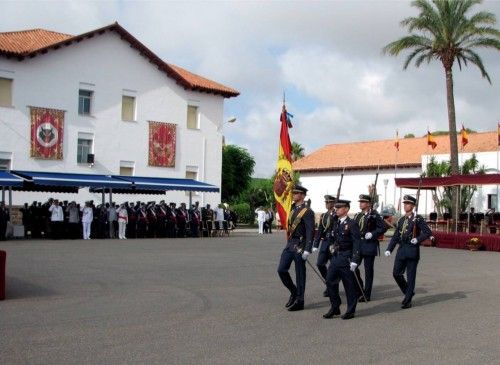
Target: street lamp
(230, 120)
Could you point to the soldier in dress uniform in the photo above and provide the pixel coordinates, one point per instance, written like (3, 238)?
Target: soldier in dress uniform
(371, 227)
(195, 221)
(411, 231)
(182, 218)
(321, 242)
(298, 248)
(142, 221)
(344, 247)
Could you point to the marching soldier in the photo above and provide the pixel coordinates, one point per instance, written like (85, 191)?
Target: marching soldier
(298, 248)
(411, 231)
(371, 227)
(321, 241)
(345, 241)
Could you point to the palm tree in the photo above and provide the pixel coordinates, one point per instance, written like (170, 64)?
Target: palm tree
(444, 31)
(297, 151)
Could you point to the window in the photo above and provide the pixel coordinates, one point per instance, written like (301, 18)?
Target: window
(128, 108)
(127, 168)
(83, 149)
(192, 117)
(492, 201)
(5, 92)
(4, 164)
(126, 171)
(191, 173)
(84, 101)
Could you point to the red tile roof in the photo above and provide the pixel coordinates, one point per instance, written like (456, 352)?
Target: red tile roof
(30, 43)
(369, 155)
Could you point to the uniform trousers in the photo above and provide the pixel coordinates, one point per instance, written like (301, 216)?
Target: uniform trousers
(339, 269)
(410, 265)
(287, 256)
(368, 262)
(86, 230)
(122, 228)
(323, 257)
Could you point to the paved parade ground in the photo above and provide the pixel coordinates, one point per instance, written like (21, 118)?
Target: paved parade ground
(220, 301)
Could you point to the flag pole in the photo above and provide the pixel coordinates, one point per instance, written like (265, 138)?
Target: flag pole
(498, 140)
(396, 167)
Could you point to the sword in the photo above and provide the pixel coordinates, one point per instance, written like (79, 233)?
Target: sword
(359, 286)
(317, 273)
(300, 251)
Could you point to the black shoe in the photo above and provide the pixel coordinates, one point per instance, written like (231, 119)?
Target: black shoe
(362, 299)
(291, 300)
(325, 293)
(406, 305)
(348, 316)
(332, 312)
(298, 305)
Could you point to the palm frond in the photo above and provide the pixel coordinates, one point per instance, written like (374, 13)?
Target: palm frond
(474, 58)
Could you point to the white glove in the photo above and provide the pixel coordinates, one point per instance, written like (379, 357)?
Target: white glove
(414, 241)
(387, 253)
(353, 266)
(368, 235)
(305, 255)
(315, 249)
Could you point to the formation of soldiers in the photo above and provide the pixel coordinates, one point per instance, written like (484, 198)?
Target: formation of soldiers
(342, 244)
(142, 220)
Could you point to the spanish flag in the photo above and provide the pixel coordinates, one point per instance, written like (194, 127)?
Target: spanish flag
(430, 140)
(396, 144)
(283, 181)
(464, 135)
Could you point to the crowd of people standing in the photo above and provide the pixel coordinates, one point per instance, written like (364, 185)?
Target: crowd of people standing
(57, 220)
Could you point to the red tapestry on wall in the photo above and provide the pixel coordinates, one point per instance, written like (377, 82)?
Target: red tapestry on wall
(162, 144)
(47, 133)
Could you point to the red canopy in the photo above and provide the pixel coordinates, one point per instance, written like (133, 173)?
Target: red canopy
(433, 182)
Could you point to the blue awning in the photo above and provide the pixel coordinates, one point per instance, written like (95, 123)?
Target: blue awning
(72, 180)
(165, 184)
(7, 179)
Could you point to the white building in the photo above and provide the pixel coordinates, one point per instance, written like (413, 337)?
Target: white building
(110, 87)
(320, 171)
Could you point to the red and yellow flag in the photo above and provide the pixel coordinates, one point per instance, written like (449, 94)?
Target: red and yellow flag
(464, 135)
(430, 140)
(283, 182)
(396, 143)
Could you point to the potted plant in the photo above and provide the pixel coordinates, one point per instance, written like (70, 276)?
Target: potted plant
(474, 244)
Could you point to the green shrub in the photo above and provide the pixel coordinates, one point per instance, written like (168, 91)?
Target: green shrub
(245, 213)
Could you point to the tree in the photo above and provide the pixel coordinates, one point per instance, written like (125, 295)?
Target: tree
(442, 197)
(444, 31)
(297, 151)
(409, 135)
(237, 170)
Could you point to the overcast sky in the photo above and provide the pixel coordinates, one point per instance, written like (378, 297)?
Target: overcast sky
(325, 55)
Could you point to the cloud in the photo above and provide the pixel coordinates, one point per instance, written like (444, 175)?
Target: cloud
(326, 55)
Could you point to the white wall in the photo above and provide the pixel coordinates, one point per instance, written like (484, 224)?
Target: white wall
(110, 65)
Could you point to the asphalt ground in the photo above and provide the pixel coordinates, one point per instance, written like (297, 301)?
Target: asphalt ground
(220, 301)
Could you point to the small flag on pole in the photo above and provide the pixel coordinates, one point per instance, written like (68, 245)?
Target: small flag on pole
(430, 140)
(396, 143)
(465, 136)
